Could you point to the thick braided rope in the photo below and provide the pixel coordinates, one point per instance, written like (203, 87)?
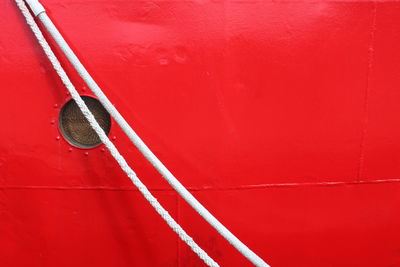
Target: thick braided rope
(113, 150)
(39, 11)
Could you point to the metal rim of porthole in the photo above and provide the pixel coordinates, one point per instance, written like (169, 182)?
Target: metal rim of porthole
(74, 127)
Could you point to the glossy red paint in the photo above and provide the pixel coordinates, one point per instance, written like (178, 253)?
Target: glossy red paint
(282, 117)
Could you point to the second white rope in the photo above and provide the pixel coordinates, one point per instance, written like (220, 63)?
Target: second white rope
(110, 146)
(39, 11)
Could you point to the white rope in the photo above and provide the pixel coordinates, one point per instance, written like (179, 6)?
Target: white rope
(103, 137)
(136, 140)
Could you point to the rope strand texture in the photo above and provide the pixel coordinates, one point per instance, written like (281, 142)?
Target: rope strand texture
(144, 149)
(110, 146)
(136, 140)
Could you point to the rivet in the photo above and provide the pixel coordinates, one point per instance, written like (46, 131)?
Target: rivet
(67, 93)
(102, 150)
(114, 137)
(70, 149)
(84, 88)
(52, 121)
(86, 153)
(58, 137)
(164, 61)
(55, 105)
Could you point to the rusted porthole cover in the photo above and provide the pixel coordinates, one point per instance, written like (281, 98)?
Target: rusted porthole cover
(76, 129)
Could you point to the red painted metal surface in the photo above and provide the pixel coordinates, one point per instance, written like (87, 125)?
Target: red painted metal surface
(281, 117)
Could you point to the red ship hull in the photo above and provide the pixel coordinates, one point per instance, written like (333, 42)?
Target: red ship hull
(282, 118)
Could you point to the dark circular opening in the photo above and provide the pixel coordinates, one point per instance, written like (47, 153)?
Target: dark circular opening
(76, 129)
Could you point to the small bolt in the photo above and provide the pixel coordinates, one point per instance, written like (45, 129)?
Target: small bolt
(58, 137)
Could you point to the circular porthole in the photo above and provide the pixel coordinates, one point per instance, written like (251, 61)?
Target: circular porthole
(76, 129)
